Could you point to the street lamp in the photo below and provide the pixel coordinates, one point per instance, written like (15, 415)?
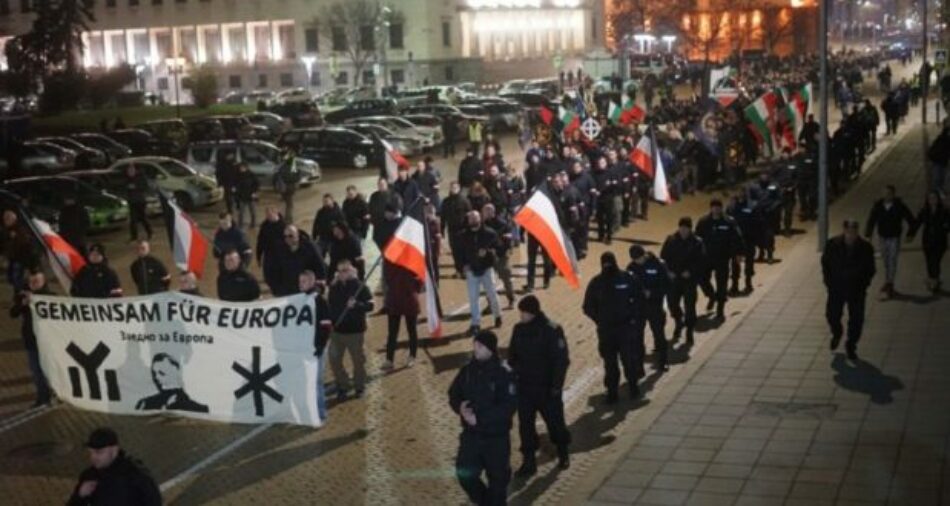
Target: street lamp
(175, 67)
(669, 39)
(308, 62)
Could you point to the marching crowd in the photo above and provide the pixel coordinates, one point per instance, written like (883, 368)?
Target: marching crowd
(596, 189)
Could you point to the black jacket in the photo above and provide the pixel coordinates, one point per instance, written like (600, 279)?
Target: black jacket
(355, 211)
(613, 299)
(96, 281)
(231, 239)
(538, 354)
(270, 237)
(378, 202)
(238, 286)
(845, 268)
(21, 309)
(354, 319)
(289, 265)
(149, 275)
(490, 391)
(469, 169)
(482, 239)
(654, 277)
(454, 209)
(936, 225)
(720, 236)
(348, 248)
(245, 186)
(321, 331)
(324, 220)
(137, 188)
(125, 482)
(889, 220)
(683, 255)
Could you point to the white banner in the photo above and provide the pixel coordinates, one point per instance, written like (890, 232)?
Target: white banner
(191, 356)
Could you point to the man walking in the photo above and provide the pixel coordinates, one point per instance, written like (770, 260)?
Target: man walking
(538, 356)
(888, 216)
(483, 395)
(349, 301)
(722, 239)
(655, 279)
(683, 253)
(847, 266)
(235, 283)
(612, 301)
(136, 190)
(113, 476)
(478, 246)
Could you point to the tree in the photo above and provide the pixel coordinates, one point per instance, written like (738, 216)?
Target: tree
(352, 27)
(778, 24)
(106, 86)
(203, 84)
(629, 17)
(702, 32)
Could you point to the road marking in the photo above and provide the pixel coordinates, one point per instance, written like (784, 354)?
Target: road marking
(210, 459)
(21, 418)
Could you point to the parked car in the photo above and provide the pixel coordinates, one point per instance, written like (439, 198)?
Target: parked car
(513, 86)
(300, 114)
(530, 101)
(332, 146)
(428, 135)
(445, 112)
(273, 123)
(205, 129)
(407, 146)
(190, 189)
(502, 114)
(43, 158)
(86, 157)
(234, 98)
(263, 159)
(45, 194)
(293, 95)
(174, 132)
(113, 150)
(256, 97)
(141, 142)
(359, 108)
(114, 183)
(476, 112)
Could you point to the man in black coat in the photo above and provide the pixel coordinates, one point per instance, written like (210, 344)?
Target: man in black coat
(297, 254)
(36, 285)
(270, 238)
(484, 396)
(228, 237)
(349, 302)
(137, 189)
(74, 223)
(356, 212)
(327, 215)
(655, 279)
(847, 265)
(246, 187)
(454, 209)
(113, 476)
(96, 280)
(225, 172)
(723, 241)
(148, 273)
(613, 300)
(538, 356)
(235, 284)
(685, 256)
(888, 216)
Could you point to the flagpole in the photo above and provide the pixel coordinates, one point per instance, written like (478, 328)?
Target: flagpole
(168, 216)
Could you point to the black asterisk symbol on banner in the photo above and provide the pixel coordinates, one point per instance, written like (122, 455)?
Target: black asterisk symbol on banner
(257, 381)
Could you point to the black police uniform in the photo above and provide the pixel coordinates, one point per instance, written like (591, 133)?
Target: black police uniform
(490, 391)
(238, 286)
(847, 271)
(538, 355)
(613, 301)
(609, 187)
(655, 279)
(723, 241)
(96, 281)
(750, 223)
(149, 275)
(684, 259)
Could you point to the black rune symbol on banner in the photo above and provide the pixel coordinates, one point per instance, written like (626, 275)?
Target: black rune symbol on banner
(257, 381)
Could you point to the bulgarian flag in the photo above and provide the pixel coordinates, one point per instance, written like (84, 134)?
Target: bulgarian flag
(614, 112)
(189, 245)
(761, 115)
(407, 249)
(63, 258)
(568, 118)
(632, 112)
(539, 218)
(797, 107)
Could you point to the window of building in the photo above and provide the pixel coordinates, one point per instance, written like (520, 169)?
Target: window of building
(369, 77)
(286, 80)
(367, 38)
(315, 78)
(342, 78)
(311, 40)
(395, 36)
(398, 76)
(446, 34)
(287, 47)
(262, 80)
(450, 73)
(234, 82)
(4, 7)
(339, 39)
(162, 83)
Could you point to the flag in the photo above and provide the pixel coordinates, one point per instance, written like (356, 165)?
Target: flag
(642, 155)
(723, 86)
(614, 112)
(661, 192)
(189, 245)
(632, 113)
(63, 258)
(797, 107)
(547, 115)
(760, 115)
(539, 218)
(407, 249)
(569, 119)
(706, 129)
(392, 159)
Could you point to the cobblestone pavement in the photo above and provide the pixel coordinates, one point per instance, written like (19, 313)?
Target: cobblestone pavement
(394, 446)
(772, 417)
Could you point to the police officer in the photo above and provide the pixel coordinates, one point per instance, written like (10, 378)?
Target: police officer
(148, 273)
(684, 255)
(483, 394)
(749, 221)
(539, 358)
(612, 301)
(583, 192)
(655, 279)
(847, 265)
(235, 284)
(608, 189)
(96, 280)
(722, 239)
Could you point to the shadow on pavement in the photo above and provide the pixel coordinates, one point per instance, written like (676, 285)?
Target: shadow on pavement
(641, 242)
(261, 467)
(915, 298)
(865, 378)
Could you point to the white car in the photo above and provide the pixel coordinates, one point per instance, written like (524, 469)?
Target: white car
(190, 188)
(427, 138)
(262, 158)
(293, 95)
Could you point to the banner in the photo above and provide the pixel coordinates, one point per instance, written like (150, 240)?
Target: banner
(185, 355)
